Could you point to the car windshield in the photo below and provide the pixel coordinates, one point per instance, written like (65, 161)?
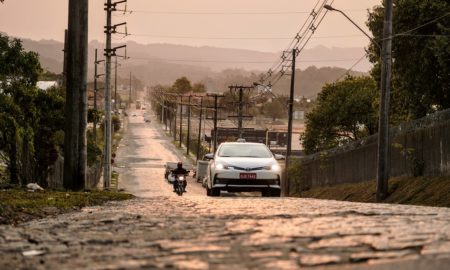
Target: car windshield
(244, 150)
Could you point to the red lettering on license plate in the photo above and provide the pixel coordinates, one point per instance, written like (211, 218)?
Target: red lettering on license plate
(247, 176)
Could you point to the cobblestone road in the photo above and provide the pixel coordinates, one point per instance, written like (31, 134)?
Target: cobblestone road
(226, 233)
(163, 231)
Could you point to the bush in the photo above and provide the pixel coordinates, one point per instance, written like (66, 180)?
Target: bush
(116, 123)
(94, 151)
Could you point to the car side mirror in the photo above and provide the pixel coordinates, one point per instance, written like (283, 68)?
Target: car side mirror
(279, 157)
(209, 156)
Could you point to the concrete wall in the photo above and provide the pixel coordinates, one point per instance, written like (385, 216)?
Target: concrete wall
(421, 144)
(55, 177)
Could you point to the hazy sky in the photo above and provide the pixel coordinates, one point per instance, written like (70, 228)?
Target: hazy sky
(195, 22)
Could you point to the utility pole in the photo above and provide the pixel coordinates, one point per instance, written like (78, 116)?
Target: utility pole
(215, 123)
(188, 137)
(162, 112)
(109, 51)
(175, 122)
(383, 132)
(291, 106)
(75, 151)
(181, 120)
(115, 84)
(240, 109)
(65, 50)
(240, 115)
(129, 94)
(96, 76)
(199, 128)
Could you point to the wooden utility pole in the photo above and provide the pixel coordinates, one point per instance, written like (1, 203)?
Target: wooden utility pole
(109, 7)
(115, 84)
(290, 116)
(65, 50)
(175, 122)
(181, 120)
(129, 94)
(199, 128)
(240, 115)
(75, 152)
(188, 136)
(383, 132)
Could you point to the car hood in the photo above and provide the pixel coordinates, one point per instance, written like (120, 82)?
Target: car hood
(245, 162)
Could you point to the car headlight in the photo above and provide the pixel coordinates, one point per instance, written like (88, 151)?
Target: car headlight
(273, 167)
(219, 166)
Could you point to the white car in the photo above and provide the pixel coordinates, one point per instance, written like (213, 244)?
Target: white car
(243, 166)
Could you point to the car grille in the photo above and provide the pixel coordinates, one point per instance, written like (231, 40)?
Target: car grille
(247, 169)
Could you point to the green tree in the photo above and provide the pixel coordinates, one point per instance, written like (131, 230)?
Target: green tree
(30, 118)
(19, 72)
(421, 56)
(275, 109)
(199, 88)
(345, 111)
(182, 86)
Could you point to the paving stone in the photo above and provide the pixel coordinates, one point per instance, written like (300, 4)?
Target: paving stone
(225, 233)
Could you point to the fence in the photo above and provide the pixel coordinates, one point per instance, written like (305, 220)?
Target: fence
(420, 147)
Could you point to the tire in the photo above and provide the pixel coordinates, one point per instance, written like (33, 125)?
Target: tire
(275, 193)
(180, 190)
(266, 193)
(271, 193)
(215, 192)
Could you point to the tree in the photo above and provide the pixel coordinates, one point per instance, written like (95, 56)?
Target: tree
(421, 56)
(31, 119)
(182, 86)
(275, 109)
(19, 71)
(345, 111)
(199, 88)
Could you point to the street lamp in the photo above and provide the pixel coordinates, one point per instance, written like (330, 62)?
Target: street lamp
(330, 8)
(383, 124)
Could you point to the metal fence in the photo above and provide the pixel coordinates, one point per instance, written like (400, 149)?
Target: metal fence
(420, 147)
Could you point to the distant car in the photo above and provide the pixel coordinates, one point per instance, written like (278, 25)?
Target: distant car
(147, 120)
(242, 166)
(134, 114)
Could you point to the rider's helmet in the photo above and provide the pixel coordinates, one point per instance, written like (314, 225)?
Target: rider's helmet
(180, 165)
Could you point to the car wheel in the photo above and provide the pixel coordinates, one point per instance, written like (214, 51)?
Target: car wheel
(266, 193)
(275, 193)
(215, 192)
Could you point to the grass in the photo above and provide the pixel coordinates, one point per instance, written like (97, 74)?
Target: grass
(18, 205)
(429, 191)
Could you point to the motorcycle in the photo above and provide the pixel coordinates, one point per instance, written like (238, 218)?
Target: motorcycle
(180, 187)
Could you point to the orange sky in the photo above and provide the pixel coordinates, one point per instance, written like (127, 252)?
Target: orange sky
(166, 21)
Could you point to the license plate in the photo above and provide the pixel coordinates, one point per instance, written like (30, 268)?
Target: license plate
(247, 176)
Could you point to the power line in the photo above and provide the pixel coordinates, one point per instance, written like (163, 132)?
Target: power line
(423, 25)
(235, 61)
(351, 68)
(239, 38)
(228, 13)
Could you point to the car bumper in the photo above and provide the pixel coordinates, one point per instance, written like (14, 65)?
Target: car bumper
(231, 184)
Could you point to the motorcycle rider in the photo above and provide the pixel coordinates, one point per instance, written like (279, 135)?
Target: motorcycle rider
(179, 171)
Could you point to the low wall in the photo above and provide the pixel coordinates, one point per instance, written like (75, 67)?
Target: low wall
(55, 177)
(417, 147)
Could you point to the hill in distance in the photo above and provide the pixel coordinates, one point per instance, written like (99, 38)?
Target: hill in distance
(216, 67)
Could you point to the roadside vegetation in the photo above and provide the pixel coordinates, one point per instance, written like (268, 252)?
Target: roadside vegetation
(19, 205)
(429, 191)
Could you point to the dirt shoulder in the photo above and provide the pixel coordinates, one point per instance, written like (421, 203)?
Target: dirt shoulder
(18, 205)
(429, 191)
